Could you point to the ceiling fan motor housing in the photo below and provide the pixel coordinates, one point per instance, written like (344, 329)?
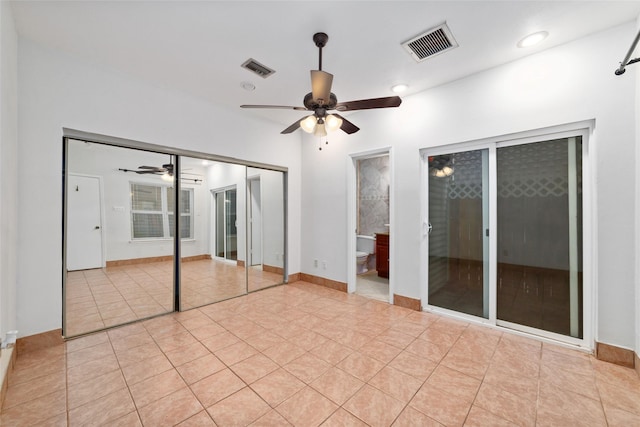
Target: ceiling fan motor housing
(311, 104)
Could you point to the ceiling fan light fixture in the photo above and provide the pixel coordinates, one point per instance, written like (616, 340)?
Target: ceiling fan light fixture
(320, 130)
(308, 124)
(332, 122)
(442, 172)
(167, 177)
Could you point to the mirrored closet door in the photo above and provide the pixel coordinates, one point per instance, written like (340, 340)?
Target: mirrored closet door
(129, 212)
(119, 237)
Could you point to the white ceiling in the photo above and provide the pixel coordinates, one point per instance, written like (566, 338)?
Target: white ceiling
(198, 46)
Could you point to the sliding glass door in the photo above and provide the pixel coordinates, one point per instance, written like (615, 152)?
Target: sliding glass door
(540, 235)
(226, 227)
(458, 243)
(525, 272)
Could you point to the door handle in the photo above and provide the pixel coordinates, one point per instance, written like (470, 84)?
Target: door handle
(97, 227)
(426, 228)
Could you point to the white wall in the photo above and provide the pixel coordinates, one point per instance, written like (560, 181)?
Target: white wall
(8, 168)
(57, 90)
(570, 83)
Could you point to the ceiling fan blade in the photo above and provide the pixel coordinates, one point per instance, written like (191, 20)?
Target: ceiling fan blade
(152, 168)
(279, 107)
(365, 104)
(347, 126)
(321, 86)
(291, 128)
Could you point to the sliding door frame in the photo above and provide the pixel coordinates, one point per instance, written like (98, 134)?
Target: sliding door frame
(589, 233)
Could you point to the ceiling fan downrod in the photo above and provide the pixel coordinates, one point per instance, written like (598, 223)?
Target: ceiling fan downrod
(320, 39)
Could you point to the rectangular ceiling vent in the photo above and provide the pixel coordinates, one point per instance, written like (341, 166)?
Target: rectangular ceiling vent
(256, 67)
(433, 42)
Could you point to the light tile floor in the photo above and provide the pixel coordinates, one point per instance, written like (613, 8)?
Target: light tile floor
(305, 355)
(371, 286)
(104, 297)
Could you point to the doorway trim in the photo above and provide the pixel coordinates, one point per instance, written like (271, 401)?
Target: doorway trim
(585, 129)
(352, 212)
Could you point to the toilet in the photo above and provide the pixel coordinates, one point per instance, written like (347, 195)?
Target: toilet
(365, 248)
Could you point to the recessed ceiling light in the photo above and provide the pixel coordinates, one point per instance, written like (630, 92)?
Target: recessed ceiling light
(247, 86)
(399, 88)
(533, 39)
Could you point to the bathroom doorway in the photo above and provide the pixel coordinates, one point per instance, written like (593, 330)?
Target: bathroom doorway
(371, 199)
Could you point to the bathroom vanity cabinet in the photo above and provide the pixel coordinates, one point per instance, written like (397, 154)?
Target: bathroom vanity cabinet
(382, 254)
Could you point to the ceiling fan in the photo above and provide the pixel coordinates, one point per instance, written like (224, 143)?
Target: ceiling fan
(320, 101)
(165, 172)
(166, 169)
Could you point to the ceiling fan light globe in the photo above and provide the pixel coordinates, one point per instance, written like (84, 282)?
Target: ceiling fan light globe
(332, 122)
(308, 124)
(447, 170)
(167, 177)
(320, 130)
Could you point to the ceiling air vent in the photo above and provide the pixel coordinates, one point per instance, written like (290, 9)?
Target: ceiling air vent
(256, 67)
(431, 43)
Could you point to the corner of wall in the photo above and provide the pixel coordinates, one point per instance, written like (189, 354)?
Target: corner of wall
(637, 207)
(8, 167)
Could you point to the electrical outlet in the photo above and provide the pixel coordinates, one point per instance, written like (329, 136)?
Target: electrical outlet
(324, 265)
(315, 263)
